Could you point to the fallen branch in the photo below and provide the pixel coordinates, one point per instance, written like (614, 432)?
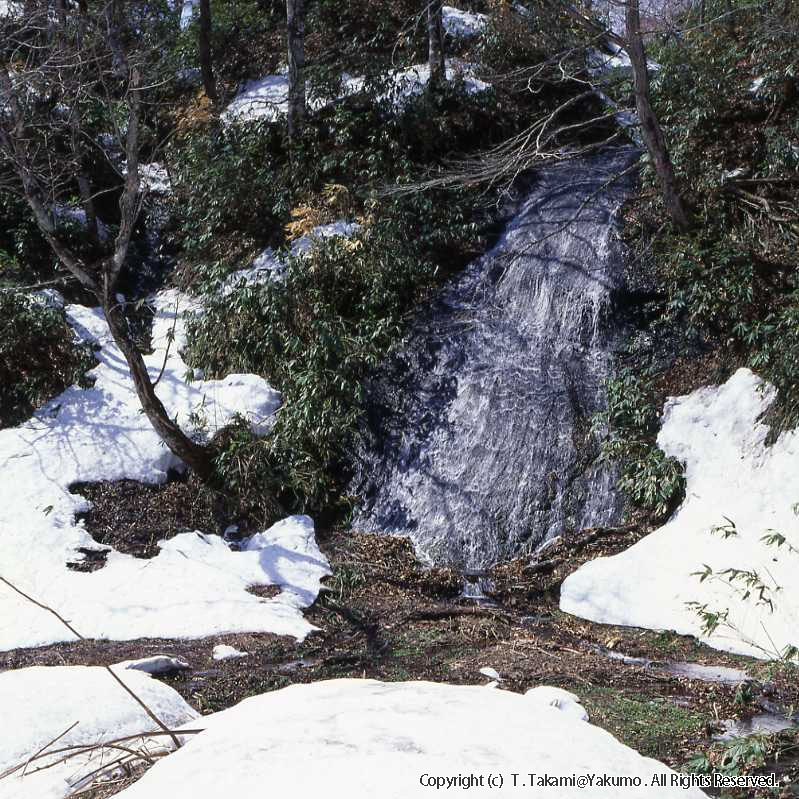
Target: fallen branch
(130, 691)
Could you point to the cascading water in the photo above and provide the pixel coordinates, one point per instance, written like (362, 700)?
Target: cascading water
(478, 442)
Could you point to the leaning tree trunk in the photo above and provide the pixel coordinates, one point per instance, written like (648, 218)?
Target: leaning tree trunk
(196, 456)
(651, 131)
(204, 50)
(295, 14)
(100, 279)
(729, 18)
(435, 39)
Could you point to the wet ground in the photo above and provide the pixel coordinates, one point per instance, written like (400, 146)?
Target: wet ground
(385, 616)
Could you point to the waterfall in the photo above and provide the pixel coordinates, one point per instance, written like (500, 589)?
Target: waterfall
(477, 437)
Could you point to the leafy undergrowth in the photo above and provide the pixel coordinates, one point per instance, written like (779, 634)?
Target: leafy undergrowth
(39, 356)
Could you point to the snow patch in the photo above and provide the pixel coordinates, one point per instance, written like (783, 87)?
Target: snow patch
(44, 701)
(270, 264)
(267, 98)
(225, 652)
(462, 24)
(154, 177)
(730, 473)
(156, 664)
(411, 82)
(363, 738)
(197, 585)
(564, 701)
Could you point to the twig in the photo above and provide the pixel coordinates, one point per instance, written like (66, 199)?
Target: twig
(48, 745)
(130, 691)
(169, 339)
(12, 289)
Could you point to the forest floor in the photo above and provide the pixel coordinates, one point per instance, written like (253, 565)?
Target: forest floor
(385, 616)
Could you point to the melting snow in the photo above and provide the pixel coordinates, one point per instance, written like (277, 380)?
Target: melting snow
(730, 473)
(564, 701)
(196, 586)
(269, 264)
(363, 738)
(462, 24)
(156, 664)
(225, 652)
(267, 97)
(43, 702)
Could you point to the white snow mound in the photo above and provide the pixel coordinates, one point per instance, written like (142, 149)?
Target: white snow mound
(462, 24)
(730, 473)
(270, 263)
(155, 664)
(44, 702)
(197, 585)
(225, 652)
(267, 98)
(564, 701)
(363, 738)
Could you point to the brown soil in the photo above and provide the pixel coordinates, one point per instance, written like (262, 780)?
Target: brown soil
(132, 517)
(385, 616)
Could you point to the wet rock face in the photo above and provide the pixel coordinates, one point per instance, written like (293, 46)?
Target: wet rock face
(477, 436)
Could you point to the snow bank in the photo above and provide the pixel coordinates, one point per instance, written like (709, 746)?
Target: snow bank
(462, 24)
(269, 264)
(267, 98)
(42, 702)
(730, 473)
(363, 738)
(411, 82)
(196, 586)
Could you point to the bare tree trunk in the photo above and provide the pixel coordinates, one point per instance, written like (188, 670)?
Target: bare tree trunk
(195, 455)
(435, 41)
(101, 279)
(650, 126)
(730, 17)
(118, 56)
(204, 50)
(295, 15)
(702, 4)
